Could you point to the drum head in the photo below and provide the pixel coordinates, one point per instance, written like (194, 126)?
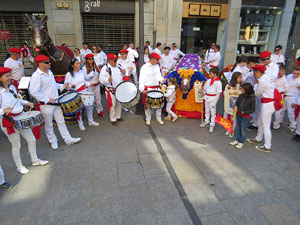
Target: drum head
(66, 97)
(155, 94)
(125, 92)
(26, 115)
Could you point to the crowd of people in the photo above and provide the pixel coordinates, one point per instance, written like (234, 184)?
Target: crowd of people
(258, 87)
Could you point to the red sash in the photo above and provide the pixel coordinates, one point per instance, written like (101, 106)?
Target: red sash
(246, 116)
(83, 87)
(126, 78)
(145, 94)
(8, 124)
(211, 94)
(94, 85)
(108, 99)
(297, 110)
(266, 100)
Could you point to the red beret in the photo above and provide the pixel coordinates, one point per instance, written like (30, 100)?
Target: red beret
(111, 56)
(154, 55)
(89, 56)
(261, 68)
(265, 54)
(124, 51)
(15, 50)
(4, 70)
(41, 58)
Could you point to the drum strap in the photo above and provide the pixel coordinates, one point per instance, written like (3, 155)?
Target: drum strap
(7, 122)
(49, 103)
(108, 98)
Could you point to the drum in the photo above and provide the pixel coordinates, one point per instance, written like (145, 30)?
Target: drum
(27, 120)
(88, 98)
(155, 99)
(127, 94)
(70, 103)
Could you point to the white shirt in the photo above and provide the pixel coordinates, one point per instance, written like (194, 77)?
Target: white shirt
(149, 76)
(85, 52)
(92, 77)
(156, 50)
(132, 54)
(247, 75)
(8, 100)
(43, 86)
(116, 74)
(265, 87)
(229, 74)
(126, 64)
(150, 49)
(16, 66)
(272, 71)
(166, 61)
(297, 54)
(292, 85)
(78, 79)
(281, 84)
(176, 53)
(277, 58)
(170, 93)
(104, 58)
(213, 58)
(99, 59)
(146, 58)
(215, 88)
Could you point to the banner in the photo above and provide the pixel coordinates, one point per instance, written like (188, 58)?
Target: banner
(226, 123)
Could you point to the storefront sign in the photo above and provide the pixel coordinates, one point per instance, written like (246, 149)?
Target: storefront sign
(5, 35)
(63, 4)
(91, 4)
(196, 10)
(107, 6)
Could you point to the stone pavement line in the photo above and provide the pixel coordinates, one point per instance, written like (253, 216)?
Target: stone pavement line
(187, 204)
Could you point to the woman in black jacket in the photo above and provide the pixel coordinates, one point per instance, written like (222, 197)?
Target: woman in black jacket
(244, 106)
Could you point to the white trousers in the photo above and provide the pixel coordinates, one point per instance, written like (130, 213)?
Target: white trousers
(116, 108)
(15, 141)
(148, 114)
(2, 179)
(210, 112)
(278, 118)
(169, 110)
(50, 111)
(89, 114)
(298, 125)
(264, 123)
(288, 101)
(256, 114)
(96, 91)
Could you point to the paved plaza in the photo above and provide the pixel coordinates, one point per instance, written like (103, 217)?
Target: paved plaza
(176, 174)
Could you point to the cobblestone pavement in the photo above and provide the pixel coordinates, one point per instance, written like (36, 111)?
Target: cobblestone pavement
(138, 175)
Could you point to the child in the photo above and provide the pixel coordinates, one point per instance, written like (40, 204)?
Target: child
(3, 184)
(171, 95)
(212, 90)
(231, 93)
(244, 106)
(282, 86)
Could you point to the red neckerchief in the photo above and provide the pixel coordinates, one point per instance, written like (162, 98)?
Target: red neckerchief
(213, 80)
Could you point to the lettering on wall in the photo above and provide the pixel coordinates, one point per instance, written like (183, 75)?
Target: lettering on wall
(91, 4)
(198, 10)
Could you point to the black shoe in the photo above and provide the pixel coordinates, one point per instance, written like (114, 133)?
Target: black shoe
(120, 120)
(252, 128)
(114, 123)
(296, 138)
(6, 186)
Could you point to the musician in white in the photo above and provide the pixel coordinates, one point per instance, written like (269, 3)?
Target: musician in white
(15, 64)
(213, 56)
(75, 81)
(111, 76)
(167, 62)
(176, 53)
(45, 90)
(132, 53)
(10, 106)
(127, 66)
(150, 78)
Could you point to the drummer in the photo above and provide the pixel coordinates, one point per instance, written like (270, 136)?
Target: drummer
(150, 78)
(75, 81)
(111, 76)
(10, 106)
(91, 74)
(45, 90)
(127, 66)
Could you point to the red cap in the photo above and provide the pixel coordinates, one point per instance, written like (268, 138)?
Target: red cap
(89, 56)
(41, 58)
(124, 51)
(15, 50)
(154, 56)
(111, 56)
(265, 54)
(261, 68)
(4, 70)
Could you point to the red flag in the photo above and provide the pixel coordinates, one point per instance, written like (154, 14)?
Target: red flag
(226, 123)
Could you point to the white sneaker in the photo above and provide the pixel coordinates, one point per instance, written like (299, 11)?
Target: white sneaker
(40, 162)
(73, 141)
(174, 119)
(148, 122)
(168, 118)
(93, 123)
(23, 170)
(125, 109)
(160, 121)
(227, 133)
(81, 127)
(54, 145)
(239, 145)
(211, 129)
(233, 143)
(204, 124)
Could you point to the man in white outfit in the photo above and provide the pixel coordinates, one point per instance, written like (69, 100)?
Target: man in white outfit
(157, 50)
(167, 62)
(213, 57)
(150, 78)
(85, 50)
(15, 64)
(45, 90)
(276, 57)
(176, 53)
(132, 53)
(147, 44)
(265, 90)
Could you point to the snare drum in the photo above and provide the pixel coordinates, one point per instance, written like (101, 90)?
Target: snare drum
(70, 103)
(155, 99)
(88, 98)
(27, 120)
(127, 94)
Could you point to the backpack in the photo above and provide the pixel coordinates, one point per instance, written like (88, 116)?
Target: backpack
(278, 100)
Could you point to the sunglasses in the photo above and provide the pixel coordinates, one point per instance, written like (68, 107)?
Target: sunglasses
(90, 59)
(46, 62)
(265, 59)
(277, 50)
(174, 46)
(123, 53)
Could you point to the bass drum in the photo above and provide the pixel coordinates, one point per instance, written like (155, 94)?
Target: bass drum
(127, 94)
